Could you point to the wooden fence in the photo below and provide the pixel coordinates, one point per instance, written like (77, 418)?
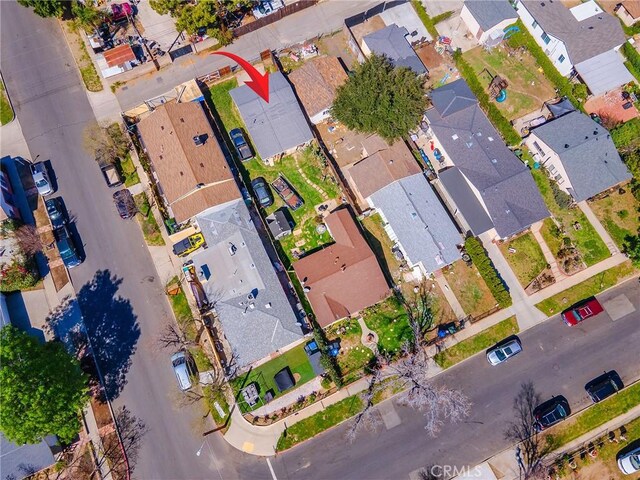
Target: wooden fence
(273, 17)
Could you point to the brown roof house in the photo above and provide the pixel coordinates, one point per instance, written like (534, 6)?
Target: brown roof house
(344, 278)
(628, 11)
(316, 83)
(187, 163)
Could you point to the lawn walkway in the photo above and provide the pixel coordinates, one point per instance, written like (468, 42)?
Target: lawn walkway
(546, 251)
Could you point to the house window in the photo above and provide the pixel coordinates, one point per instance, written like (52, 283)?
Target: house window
(552, 169)
(561, 59)
(545, 38)
(534, 24)
(559, 179)
(538, 148)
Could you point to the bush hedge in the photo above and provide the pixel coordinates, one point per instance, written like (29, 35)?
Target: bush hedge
(495, 115)
(627, 134)
(633, 58)
(524, 39)
(427, 21)
(481, 260)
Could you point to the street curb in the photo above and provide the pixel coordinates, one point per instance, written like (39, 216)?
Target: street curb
(6, 92)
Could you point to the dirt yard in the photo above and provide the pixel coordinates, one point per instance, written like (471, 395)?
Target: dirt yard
(336, 46)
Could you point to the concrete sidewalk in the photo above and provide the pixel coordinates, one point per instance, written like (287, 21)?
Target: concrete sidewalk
(595, 221)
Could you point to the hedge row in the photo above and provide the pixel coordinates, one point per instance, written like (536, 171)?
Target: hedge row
(627, 134)
(524, 39)
(634, 59)
(428, 22)
(495, 115)
(481, 260)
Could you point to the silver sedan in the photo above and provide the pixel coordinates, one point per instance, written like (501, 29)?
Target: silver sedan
(503, 352)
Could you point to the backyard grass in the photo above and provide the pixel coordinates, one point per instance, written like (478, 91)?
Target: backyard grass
(586, 240)
(469, 288)
(321, 421)
(389, 320)
(353, 356)
(477, 343)
(297, 361)
(219, 97)
(594, 416)
(6, 112)
(129, 172)
(527, 89)
(381, 245)
(619, 214)
(586, 289)
(528, 260)
(147, 222)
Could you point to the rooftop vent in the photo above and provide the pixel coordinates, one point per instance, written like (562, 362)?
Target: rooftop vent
(198, 140)
(232, 249)
(490, 139)
(306, 289)
(267, 305)
(201, 164)
(566, 145)
(161, 127)
(181, 120)
(181, 174)
(542, 4)
(469, 144)
(454, 136)
(479, 134)
(595, 132)
(494, 160)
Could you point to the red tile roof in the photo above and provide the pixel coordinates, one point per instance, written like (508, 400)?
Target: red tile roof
(118, 55)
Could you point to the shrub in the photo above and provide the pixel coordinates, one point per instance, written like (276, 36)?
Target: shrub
(442, 17)
(19, 275)
(627, 134)
(481, 260)
(428, 22)
(562, 199)
(499, 121)
(632, 55)
(622, 214)
(579, 91)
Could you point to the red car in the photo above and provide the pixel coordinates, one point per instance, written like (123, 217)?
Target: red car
(577, 313)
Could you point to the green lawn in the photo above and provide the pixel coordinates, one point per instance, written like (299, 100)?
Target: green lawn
(469, 288)
(218, 96)
(477, 343)
(150, 228)
(594, 416)
(587, 241)
(528, 260)
(389, 320)
(619, 214)
(586, 289)
(129, 172)
(6, 112)
(179, 303)
(211, 397)
(203, 363)
(321, 421)
(353, 355)
(297, 361)
(527, 88)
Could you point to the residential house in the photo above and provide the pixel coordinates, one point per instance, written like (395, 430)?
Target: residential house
(628, 11)
(488, 187)
(8, 207)
(579, 155)
(187, 162)
(344, 278)
(487, 19)
(277, 127)
(392, 42)
(584, 39)
(239, 278)
(316, 83)
(278, 223)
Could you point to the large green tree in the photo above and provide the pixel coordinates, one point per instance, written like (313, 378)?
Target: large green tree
(380, 98)
(45, 8)
(42, 389)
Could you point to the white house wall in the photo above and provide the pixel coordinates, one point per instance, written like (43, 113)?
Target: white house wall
(554, 49)
(551, 161)
(470, 21)
(320, 117)
(498, 28)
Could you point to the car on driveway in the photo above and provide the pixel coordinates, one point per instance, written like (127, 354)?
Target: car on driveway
(262, 191)
(125, 204)
(188, 245)
(581, 311)
(549, 413)
(604, 386)
(66, 247)
(55, 212)
(503, 351)
(630, 462)
(242, 147)
(41, 179)
(184, 369)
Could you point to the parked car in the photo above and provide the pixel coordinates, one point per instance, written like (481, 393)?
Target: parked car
(55, 212)
(41, 179)
(242, 147)
(551, 412)
(261, 189)
(111, 175)
(502, 352)
(604, 386)
(630, 462)
(267, 7)
(582, 311)
(183, 369)
(188, 245)
(67, 249)
(125, 204)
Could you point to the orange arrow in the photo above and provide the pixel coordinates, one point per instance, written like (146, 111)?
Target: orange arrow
(259, 83)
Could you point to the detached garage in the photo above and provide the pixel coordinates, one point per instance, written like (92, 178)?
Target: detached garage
(604, 72)
(487, 19)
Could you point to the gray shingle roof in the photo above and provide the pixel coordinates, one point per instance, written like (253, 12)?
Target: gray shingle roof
(453, 97)
(391, 41)
(489, 13)
(586, 39)
(475, 147)
(604, 72)
(423, 227)
(277, 126)
(253, 332)
(19, 461)
(587, 153)
(468, 204)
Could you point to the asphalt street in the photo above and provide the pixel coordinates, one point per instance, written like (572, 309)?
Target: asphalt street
(560, 360)
(126, 306)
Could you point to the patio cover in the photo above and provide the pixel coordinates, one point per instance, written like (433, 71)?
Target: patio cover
(560, 108)
(284, 379)
(604, 72)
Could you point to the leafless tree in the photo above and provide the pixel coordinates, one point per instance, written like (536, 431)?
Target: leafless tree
(411, 374)
(28, 239)
(172, 337)
(420, 314)
(522, 431)
(106, 143)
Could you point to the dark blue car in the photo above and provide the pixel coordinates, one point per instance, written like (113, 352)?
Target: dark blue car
(67, 249)
(242, 147)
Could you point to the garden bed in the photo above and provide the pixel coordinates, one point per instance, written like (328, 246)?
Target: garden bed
(469, 288)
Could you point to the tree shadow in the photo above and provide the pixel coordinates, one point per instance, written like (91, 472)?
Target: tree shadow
(110, 323)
